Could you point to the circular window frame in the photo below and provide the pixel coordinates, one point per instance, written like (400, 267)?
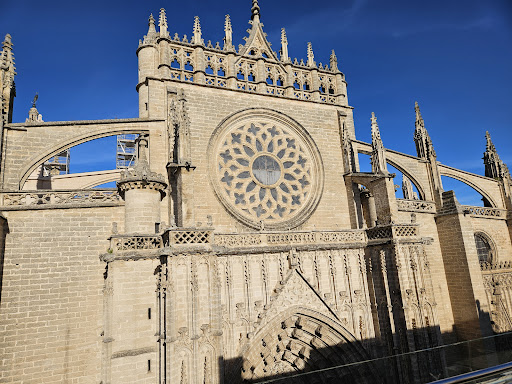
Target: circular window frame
(253, 114)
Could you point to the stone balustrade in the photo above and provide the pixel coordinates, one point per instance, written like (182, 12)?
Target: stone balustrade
(485, 212)
(49, 199)
(122, 243)
(392, 231)
(264, 238)
(416, 206)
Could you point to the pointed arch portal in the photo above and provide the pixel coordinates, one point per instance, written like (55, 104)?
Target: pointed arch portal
(300, 340)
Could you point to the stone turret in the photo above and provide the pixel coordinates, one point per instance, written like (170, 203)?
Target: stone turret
(7, 85)
(142, 191)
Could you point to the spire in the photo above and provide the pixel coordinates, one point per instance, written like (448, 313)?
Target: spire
(494, 166)
(378, 157)
(255, 11)
(424, 146)
(151, 23)
(334, 62)
(228, 39)
(284, 46)
(162, 23)
(311, 56)
(196, 38)
(150, 38)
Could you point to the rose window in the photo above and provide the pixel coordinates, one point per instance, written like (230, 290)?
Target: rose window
(266, 172)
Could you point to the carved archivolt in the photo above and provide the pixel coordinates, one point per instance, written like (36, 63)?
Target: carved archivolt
(265, 169)
(301, 340)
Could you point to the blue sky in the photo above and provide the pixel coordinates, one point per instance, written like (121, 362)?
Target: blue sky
(453, 57)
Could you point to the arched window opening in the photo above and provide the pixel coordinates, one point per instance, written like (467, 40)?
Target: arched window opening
(175, 64)
(331, 91)
(279, 82)
(189, 66)
(240, 75)
(483, 249)
(209, 70)
(306, 86)
(252, 52)
(270, 81)
(296, 85)
(251, 77)
(221, 72)
(322, 89)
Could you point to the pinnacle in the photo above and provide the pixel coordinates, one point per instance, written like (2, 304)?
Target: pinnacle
(227, 23)
(255, 11)
(311, 56)
(283, 36)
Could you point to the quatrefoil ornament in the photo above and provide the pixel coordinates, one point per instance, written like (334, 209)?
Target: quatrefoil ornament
(266, 169)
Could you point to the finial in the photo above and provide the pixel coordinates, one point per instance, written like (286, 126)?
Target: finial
(162, 23)
(311, 56)
(489, 146)
(35, 100)
(284, 46)
(418, 113)
(334, 62)
(255, 11)
(151, 24)
(228, 38)
(7, 43)
(196, 38)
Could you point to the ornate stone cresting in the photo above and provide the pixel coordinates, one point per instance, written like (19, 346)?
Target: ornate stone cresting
(378, 156)
(7, 85)
(141, 177)
(424, 146)
(494, 166)
(254, 67)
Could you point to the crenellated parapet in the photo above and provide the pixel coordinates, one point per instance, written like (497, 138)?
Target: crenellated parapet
(254, 67)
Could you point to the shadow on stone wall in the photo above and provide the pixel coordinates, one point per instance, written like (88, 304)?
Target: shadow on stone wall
(406, 364)
(4, 230)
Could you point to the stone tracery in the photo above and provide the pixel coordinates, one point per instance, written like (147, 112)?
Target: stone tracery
(266, 172)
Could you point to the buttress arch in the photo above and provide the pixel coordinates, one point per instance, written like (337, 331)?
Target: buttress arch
(35, 161)
(301, 340)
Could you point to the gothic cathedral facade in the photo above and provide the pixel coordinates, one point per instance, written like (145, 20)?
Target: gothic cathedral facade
(245, 244)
